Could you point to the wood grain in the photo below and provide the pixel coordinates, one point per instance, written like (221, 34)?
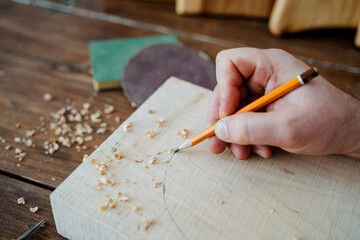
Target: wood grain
(286, 196)
(289, 16)
(237, 31)
(251, 8)
(16, 219)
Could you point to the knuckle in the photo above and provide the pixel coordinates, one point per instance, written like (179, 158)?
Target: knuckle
(278, 51)
(221, 55)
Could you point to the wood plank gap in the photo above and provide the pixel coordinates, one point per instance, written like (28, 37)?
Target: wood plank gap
(166, 30)
(26, 180)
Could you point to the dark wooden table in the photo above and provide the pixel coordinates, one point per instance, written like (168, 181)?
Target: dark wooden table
(44, 49)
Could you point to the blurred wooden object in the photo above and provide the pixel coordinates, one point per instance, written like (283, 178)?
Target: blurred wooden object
(253, 8)
(290, 16)
(357, 37)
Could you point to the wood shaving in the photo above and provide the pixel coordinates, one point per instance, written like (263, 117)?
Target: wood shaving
(47, 97)
(153, 160)
(136, 209)
(34, 209)
(127, 127)
(95, 117)
(102, 167)
(108, 109)
(145, 225)
(111, 203)
(151, 134)
(220, 202)
(160, 122)
(183, 133)
(88, 138)
(117, 119)
(21, 201)
(123, 198)
(86, 106)
(158, 184)
(138, 160)
(101, 131)
(106, 181)
(28, 143)
(79, 140)
(85, 157)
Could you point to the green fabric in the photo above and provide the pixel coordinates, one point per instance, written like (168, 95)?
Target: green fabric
(109, 57)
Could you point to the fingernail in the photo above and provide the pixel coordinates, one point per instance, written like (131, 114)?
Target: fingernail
(261, 153)
(221, 130)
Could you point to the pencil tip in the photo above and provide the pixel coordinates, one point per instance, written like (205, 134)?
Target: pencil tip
(176, 150)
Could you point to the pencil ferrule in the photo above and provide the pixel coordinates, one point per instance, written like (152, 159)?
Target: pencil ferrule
(300, 79)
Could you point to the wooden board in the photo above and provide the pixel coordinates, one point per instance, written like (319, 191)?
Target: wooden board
(289, 16)
(252, 8)
(287, 195)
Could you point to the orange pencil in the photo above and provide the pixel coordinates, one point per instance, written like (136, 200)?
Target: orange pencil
(256, 105)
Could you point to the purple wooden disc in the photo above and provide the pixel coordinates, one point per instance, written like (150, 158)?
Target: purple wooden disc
(149, 68)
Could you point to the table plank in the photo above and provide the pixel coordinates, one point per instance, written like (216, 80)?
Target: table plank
(234, 31)
(16, 219)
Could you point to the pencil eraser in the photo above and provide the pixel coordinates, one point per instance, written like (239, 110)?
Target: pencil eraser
(109, 57)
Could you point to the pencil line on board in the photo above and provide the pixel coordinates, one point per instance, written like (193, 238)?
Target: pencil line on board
(167, 30)
(164, 197)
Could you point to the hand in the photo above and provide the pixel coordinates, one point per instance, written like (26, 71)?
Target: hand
(315, 119)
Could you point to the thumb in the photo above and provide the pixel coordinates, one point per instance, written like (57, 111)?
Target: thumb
(251, 128)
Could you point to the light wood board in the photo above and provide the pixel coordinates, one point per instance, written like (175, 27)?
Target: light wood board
(252, 8)
(309, 197)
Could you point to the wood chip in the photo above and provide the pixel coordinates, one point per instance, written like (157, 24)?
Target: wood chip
(17, 139)
(127, 127)
(47, 97)
(118, 155)
(88, 138)
(220, 202)
(17, 125)
(136, 209)
(151, 134)
(28, 143)
(106, 181)
(34, 209)
(153, 160)
(123, 198)
(150, 111)
(108, 109)
(101, 131)
(138, 160)
(7, 147)
(160, 122)
(117, 119)
(21, 201)
(158, 184)
(145, 225)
